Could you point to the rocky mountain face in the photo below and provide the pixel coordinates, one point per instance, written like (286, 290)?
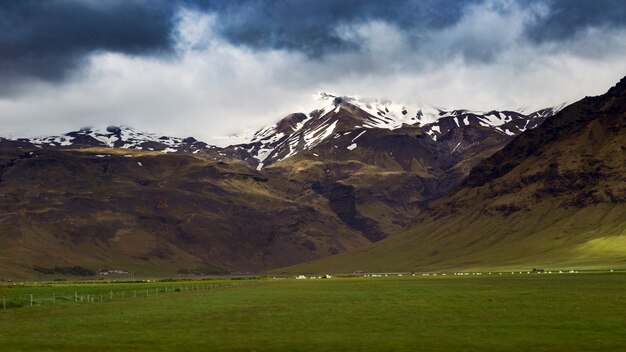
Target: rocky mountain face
(377, 171)
(123, 137)
(344, 175)
(578, 157)
(553, 197)
(337, 116)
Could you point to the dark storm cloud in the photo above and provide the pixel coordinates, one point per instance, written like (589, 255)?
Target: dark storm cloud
(309, 26)
(46, 39)
(567, 18)
(212, 68)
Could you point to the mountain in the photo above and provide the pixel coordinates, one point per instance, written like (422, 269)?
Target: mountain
(377, 171)
(154, 212)
(345, 175)
(337, 115)
(123, 137)
(554, 197)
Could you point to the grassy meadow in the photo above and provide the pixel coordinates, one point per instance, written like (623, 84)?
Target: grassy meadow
(499, 312)
(549, 237)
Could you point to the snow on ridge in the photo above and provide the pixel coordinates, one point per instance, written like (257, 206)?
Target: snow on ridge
(319, 134)
(359, 135)
(323, 115)
(112, 136)
(387, 114)
(382, 114)
(262, 154)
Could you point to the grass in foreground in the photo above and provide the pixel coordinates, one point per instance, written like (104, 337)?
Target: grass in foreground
(579, 312)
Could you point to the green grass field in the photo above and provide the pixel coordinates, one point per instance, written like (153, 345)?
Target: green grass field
(522, 312)
(592, 238)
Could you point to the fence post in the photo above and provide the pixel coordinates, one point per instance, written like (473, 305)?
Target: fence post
(75, 296)
(111, 294)
(31, 299)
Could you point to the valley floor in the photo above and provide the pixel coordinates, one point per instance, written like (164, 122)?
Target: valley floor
(521, 312)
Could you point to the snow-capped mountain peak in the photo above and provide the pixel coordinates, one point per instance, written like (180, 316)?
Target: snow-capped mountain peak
(387, 114)
(115, 137)
(333, 115)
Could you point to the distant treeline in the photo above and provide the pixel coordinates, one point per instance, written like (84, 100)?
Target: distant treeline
(65, 270)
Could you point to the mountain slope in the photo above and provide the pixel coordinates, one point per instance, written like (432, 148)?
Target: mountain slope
(336, 115)
(555, 197)
(377, 179)
(155, 212)
(378, 163)
(123, 137)
(347, 174)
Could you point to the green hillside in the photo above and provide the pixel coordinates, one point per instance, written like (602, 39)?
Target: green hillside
(555, 197)
(551, 238)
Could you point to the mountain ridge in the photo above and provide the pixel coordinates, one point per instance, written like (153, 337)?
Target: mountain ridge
(339, 114)
(554, 197)
(324, 190)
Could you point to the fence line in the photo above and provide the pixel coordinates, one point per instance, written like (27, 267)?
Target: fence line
(18, 301)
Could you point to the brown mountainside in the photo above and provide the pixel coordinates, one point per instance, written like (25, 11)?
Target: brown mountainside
(151, 212)
(555, 197)
(334, 181)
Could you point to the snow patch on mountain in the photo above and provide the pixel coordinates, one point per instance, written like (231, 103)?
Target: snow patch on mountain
(334, 116)
(359, 135)
(118, 137)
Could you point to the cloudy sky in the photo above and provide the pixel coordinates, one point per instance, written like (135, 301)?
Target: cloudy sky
(214, 68)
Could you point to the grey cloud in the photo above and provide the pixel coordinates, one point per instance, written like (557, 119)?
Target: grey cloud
(48, 39)
(209, 81)
(567, 18)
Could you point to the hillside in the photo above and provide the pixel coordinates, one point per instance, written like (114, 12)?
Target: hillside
(554, 197)
(348, 173)
(334, 116)
(376, 180)
(154, 212)
(378, 165)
